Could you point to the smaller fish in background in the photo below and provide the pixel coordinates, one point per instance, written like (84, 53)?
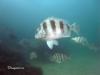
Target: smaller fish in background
(58, 58)
(83, 41)
(80, 40)
(95, 47)
(52, 29)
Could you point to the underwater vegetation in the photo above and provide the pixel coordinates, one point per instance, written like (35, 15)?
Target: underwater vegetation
(14, 55)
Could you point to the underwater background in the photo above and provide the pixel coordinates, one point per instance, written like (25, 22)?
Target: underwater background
(19, 20)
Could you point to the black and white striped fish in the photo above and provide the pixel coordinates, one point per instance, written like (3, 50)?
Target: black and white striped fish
(52, 29)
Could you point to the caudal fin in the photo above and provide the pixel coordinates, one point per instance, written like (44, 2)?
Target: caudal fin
(75, 28)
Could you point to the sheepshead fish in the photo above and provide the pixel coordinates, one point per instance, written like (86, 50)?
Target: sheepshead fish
(59, 57)
(81, 40)
(52, 29)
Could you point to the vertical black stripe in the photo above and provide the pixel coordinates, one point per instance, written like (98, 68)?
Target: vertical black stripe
(45, 26)
(68, 27)
(61, 26)
(52, 22)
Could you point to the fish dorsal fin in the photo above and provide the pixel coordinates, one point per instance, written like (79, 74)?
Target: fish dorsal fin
(50, 43)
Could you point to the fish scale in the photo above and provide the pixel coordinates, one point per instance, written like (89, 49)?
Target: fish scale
(52, 29)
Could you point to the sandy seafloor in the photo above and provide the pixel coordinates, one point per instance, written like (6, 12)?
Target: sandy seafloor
(80, 64)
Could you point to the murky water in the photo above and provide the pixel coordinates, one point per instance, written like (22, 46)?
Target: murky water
(19, 20)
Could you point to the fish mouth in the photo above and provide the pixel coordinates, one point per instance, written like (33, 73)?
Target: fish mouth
(36, 36)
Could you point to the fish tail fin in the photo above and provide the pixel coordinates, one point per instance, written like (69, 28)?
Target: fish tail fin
(75, 28)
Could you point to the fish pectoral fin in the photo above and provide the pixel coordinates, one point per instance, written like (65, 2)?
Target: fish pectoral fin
(50, 43)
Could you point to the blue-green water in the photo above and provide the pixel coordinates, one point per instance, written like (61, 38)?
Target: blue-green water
(19, 20)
